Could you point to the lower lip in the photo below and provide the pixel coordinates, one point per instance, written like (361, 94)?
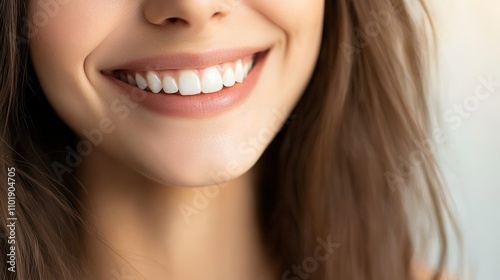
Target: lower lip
(200, 105)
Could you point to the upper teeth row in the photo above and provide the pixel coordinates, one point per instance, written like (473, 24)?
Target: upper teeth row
(190, 82)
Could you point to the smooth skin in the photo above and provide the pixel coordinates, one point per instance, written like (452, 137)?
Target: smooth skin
(138, 178)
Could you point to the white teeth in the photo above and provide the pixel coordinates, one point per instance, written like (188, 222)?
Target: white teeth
(211, 80)
(141, 82)
(131, 80)
(154, 82)
(189, 83)
(228, 78)
(169, 85)
(238, 72)
(247, 67)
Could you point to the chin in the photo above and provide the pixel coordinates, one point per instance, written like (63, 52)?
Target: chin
(191, 170)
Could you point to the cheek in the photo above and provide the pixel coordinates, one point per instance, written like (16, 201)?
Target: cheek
(301, 23)
(63, 34)
(296, 18)
(71, 29)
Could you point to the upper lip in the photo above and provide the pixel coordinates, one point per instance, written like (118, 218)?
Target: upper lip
(187, 60)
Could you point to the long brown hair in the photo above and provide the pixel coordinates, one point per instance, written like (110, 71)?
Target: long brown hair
(351, 163)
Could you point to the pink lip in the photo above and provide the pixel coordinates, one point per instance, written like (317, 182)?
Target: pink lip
(180, 61)
(201, 105)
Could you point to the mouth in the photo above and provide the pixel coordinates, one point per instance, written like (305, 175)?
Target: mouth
(188, 82)
(197, 85)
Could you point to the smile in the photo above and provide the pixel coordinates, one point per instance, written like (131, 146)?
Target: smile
(190, 85)
(189, 81)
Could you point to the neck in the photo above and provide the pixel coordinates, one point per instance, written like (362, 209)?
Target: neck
(152, 231)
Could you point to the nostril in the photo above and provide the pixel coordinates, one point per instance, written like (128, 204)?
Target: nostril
(173, 20)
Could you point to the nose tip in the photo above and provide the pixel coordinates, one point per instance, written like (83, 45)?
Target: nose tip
(192, 13)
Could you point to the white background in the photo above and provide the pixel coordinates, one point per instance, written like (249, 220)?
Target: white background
(468, 32)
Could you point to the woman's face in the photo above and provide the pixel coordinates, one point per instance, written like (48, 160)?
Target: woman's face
(227, 73)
